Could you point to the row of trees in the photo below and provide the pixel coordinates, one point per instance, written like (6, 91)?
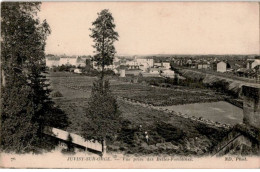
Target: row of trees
(25, 104)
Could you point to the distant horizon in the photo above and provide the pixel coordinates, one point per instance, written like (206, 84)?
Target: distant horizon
(159, 54)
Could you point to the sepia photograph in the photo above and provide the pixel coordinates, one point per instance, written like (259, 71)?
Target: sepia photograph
(130, 85)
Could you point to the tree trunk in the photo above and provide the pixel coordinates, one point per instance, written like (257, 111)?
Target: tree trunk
(103, 62)
(3, 77)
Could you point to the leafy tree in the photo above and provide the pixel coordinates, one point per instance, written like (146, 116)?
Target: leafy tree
(24, 86)
(104, 35)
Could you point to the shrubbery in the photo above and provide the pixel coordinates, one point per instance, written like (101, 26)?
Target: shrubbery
(57, 94)
(222, 86)
(62, 68)
(103, 115)
(169, 132)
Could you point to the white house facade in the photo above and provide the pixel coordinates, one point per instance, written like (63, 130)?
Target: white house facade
(221, 66)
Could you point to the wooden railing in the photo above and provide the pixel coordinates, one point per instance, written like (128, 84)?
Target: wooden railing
(75, 139)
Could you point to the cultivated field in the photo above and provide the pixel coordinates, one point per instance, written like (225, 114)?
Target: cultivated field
(168, 132)
(72, 85)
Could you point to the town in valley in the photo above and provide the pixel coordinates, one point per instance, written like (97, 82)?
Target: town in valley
(97, 81)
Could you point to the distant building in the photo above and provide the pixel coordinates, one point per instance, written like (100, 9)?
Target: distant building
(154, 71)
(68, 60)
(77, 71)
(252, 63)
(111, 67)
(145, 63)
(203, 65)
(122, 73)
(131, 63)
(52, 61)
(157, 64)
(168, 73)
(80, 62)
(95, 66)
(166, 65)
(99, 67)
(220, 66)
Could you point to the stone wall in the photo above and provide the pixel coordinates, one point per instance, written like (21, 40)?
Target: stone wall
(251, 106)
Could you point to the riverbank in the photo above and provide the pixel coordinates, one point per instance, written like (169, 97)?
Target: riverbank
(222, 112)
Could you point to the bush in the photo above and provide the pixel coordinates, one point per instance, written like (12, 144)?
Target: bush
(57, 94)
(169, 132)
(103, 115)
(222, 86)
(215, 135)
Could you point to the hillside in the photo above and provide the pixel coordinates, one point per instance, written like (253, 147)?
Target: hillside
(232, 85)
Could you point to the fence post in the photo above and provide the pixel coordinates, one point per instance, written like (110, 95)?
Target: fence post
(104, 148)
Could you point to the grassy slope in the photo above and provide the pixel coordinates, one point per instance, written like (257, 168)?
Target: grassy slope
(185, 137)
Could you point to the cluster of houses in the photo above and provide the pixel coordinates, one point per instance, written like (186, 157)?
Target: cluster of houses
(145, 66)
(77, 61)
(240, 67)
(149, 66)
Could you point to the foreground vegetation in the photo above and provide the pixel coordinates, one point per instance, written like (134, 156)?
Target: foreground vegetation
(167, 133)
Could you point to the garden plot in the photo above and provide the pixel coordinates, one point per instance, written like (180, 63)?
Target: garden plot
(162, 96)
(80, 87)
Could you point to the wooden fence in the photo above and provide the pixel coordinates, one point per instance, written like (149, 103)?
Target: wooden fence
(75, 139)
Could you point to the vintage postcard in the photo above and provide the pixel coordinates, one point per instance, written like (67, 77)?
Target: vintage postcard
(130, 85)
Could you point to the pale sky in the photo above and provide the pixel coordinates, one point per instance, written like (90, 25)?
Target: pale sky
(157, 27)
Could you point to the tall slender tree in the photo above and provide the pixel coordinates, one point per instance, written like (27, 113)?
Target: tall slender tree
(103, 116)
(104, 36)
